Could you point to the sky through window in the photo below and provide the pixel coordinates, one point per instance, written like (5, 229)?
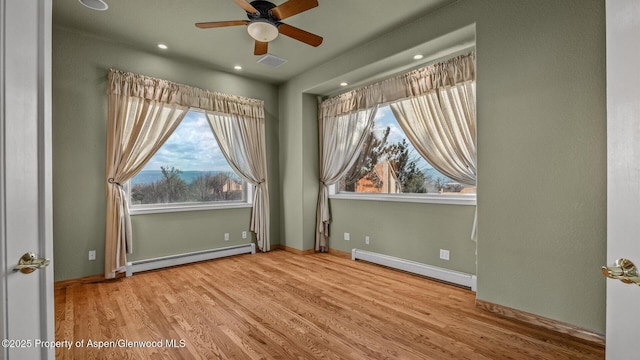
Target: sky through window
(191, 147)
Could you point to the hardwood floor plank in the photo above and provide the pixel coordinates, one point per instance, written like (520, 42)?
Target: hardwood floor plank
(280, 305)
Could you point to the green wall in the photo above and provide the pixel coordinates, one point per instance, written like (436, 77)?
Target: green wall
(164, 234)
(541, 158)
(409, 231)
(80, 65)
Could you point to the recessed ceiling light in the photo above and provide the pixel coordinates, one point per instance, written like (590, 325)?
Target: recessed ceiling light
(163, 46)
(417, 57)
(344, 83)
(95, 4)
(238, 67)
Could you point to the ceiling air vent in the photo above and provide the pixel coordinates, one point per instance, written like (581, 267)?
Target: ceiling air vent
(271, 60)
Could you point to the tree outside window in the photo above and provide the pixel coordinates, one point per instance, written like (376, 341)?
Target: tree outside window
(389, 164)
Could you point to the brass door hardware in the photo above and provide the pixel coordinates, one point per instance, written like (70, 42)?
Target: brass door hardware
(29, 263)
(623, 270)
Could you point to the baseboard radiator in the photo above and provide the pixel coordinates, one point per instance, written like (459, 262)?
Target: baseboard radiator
(442, 274)
(180, 259)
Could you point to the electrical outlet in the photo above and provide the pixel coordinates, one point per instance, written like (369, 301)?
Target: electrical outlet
(244, 234)
(444, 254)
(226, 236)
(347, 236)
(92, 254)
(366, 240)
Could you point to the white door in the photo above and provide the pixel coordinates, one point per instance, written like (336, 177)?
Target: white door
(26, 314)
(623, 174)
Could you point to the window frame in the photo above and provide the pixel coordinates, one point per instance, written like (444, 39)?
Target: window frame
(450, 198)
(142, 209)
(426, 198)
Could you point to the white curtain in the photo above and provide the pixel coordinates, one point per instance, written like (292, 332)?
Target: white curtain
(342, 136)
(441, 125)
(142, 114)
(242, 141)
(440, 121)
(136, 129)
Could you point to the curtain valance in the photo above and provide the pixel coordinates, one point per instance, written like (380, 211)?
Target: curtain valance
(167, 92)
(410, 84)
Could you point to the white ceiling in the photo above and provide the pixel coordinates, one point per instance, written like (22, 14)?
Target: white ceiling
(343, 24)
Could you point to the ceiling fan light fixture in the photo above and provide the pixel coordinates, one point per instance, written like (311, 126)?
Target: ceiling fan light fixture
(262, 31)
(95, 4)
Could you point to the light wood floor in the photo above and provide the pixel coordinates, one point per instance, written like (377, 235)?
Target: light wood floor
(285, 306)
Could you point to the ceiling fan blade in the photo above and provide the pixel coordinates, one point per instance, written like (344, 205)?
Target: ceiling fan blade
(216, 24)
(293, 7)
(260, 48)
(300, 35)
(246, 6)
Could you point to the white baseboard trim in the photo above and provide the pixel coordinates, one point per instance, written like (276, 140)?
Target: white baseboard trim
(451, 276)
(180, 259)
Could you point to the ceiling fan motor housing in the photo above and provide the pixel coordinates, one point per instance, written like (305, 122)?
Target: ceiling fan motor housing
(264, 8)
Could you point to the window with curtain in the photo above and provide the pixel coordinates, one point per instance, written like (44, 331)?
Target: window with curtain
(142, 113)
(433, 148)
(189, 172)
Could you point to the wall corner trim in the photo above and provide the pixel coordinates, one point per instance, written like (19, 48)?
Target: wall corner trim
(63, 284)
(340, 253)
(292, 250)
(576, 332)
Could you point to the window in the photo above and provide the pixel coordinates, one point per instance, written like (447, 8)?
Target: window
(390, 168)
(188, 172)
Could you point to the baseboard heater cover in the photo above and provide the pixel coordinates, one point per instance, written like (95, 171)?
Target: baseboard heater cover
(180, 259)
(450, 276)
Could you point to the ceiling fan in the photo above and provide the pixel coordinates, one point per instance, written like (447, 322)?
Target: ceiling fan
(265, 24)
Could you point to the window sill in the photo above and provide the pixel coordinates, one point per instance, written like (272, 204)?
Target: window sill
(446, 199)
(157, 209)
